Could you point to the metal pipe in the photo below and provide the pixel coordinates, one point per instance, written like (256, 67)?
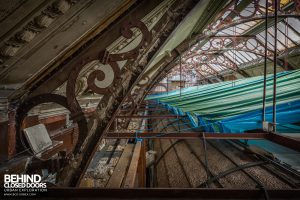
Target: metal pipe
(205, 160)
(162, 193)
(180, 86)
(188, 135)
(180, 74)
(275, 65)
(149, 116)
(265, 65)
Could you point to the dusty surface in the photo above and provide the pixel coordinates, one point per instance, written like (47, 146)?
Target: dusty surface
(184, 164)
(101, 167)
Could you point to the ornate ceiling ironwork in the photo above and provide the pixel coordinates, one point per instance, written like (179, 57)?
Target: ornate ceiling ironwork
(71, 102)
(211, 48)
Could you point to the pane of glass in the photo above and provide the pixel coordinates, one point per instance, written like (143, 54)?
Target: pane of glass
(238, 30)
(270, 42)
(235, 57)
(239, 55)
(243, 26)
(295, 23)
(221, 33)
(205, 47)
(262, 3)
(215, 67)
(252, 55)
(220, 59)
(246, 55)
(282, 40)
(253, 23)
(253, 45)
(292, 32)
(229, 54)
(283, 29)
(279, 38)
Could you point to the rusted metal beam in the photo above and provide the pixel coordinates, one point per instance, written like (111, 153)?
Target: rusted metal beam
(188, 135)
(276, 138)
(117, 95)
(150, 106)
(183, 193)
(149, 116)
(142, 165)
(284, 141)
(144, 109)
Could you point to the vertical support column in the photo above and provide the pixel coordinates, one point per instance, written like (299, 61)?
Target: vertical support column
(150, 171)
(275, 66)
(142, 159)
(11, 134)
(265, 65)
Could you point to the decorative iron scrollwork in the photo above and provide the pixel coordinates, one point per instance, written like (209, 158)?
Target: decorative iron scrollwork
(239, 43)
(100, 76)
(30, 103)
(111, 59)
(255, 11)
(106, 57)
(95, 76)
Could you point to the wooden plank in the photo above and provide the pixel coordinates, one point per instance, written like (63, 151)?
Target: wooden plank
(116, 179)
(87, 182)
(130, 179)
(30, 121)
(4, 141)
(142, 166)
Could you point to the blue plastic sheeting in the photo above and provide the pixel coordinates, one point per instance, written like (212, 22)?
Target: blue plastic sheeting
(249, 117)
(286, 113)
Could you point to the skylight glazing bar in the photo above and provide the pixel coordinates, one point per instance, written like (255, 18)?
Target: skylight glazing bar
(231, 56)
(285, 34)
(278, 42)
(262, 39)
(241, 57)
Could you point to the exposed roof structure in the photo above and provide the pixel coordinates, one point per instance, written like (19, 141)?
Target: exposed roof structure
(111, 75)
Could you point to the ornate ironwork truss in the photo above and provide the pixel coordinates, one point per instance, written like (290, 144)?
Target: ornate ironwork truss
(225, 35)
(125, 88)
